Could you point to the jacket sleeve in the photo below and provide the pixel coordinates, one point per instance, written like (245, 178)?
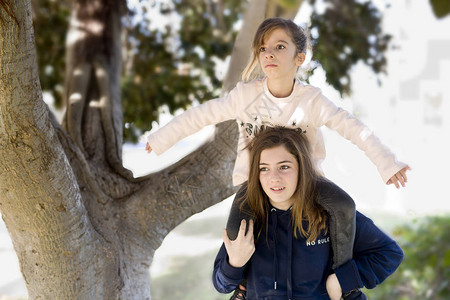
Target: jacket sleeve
(352, 129)
(375, 257)
(225, 277)
(211, 112)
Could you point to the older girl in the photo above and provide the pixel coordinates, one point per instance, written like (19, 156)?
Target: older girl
(286, 253)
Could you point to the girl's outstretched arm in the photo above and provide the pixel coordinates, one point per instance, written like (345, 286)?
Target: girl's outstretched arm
(194, 119)
(399, 178)
(326, 113)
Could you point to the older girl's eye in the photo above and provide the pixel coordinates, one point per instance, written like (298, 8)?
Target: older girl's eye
(284, 167)
(263, 169)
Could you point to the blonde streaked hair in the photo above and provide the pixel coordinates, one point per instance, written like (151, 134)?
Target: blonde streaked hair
(306, 206)
(299, 36)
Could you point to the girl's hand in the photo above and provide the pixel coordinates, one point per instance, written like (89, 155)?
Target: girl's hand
(242, 248)
(148, 148)
(333, 287)
(399, 178)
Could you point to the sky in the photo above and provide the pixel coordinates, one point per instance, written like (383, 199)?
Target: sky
(409, 112)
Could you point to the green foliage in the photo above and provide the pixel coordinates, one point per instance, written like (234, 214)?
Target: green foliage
(425, 270)
(348, 31)
(288, 4)
(176, 67)
(441, 8)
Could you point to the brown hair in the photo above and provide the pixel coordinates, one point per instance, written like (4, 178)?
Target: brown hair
(299, 36)
(306, 195)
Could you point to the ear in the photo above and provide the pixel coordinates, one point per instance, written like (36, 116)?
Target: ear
(300, 59)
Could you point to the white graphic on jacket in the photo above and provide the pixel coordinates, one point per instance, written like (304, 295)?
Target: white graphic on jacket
(263, 111)
(319, 241)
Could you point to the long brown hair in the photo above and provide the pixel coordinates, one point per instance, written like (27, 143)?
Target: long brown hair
(305, 207)
(299, 36)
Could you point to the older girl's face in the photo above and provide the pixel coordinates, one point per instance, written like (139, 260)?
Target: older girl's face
(278, 175)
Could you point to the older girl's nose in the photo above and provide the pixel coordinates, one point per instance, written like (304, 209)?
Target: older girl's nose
(274, 176)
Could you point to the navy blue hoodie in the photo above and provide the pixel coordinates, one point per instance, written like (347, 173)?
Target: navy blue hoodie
(284, 267)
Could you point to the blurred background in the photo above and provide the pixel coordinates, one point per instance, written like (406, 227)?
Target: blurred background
(408, 108)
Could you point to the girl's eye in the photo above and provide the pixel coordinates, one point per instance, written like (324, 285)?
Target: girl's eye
(284, 167)
(263, 169)
(279, 47)
(262, 49)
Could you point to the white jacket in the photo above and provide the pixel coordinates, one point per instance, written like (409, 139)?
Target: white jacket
(253, 106)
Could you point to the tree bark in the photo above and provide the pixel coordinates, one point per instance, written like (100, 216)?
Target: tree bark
(41, 202)
(81, 225)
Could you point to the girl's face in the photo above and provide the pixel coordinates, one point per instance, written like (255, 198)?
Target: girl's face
(278, 56)
(278, 175)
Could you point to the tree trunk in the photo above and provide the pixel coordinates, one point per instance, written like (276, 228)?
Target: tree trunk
(81, 225)
(41, 202)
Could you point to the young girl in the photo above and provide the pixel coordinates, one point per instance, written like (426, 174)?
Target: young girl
(288, 255)
(280, 99)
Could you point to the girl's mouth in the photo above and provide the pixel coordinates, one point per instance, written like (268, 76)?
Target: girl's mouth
(279, 189)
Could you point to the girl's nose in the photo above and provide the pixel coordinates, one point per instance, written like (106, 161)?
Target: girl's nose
(274, 177)
(269, 54)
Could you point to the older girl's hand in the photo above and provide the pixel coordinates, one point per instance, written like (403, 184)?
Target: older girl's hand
(333, 287)
(242, 248)
(399, 178)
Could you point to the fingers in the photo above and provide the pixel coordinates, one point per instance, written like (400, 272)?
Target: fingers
(227, 242)
(404, 177)
(400, 178)
(242, 248)
(333, 287)
(393, 181)
(250, 230)
(242, 228)
(403, 172)
(148, 148)
(225, 238)
(241, 234)
(225, 235)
